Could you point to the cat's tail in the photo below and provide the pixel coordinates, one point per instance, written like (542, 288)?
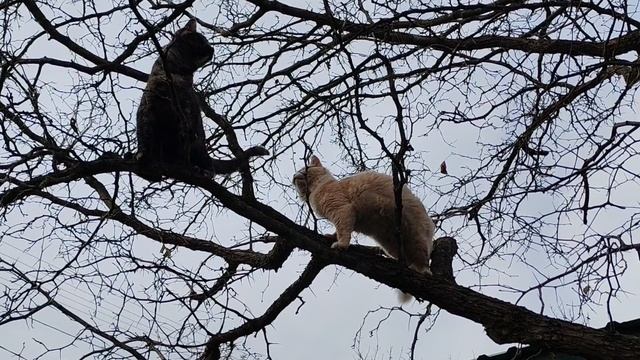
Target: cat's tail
(232, 165)
(256, 151)
(404, 297)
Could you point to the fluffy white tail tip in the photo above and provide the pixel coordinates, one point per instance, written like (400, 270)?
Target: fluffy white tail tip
(404, 297)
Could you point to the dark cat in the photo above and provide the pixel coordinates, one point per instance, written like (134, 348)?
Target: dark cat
(169, 123)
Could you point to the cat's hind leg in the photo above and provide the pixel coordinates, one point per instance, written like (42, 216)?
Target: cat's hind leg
(419, 250)
(421, 268)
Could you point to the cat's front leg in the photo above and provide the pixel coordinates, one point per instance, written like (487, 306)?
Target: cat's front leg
(331, 236)
(341, 245)
(334, 238)
(344, 220)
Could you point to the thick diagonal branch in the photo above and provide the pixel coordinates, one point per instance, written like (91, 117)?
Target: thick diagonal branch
(503, 321)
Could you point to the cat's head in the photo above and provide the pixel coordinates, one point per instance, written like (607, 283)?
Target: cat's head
(188, 50)
(305, 178)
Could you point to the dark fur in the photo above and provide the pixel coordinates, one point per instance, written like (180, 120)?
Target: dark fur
(169, 123)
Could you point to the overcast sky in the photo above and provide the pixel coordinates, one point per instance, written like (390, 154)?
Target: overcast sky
(339, 302)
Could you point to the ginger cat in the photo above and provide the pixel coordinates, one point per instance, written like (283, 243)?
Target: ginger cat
(365, 203)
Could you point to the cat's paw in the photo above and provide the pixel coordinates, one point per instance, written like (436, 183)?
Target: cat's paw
(421, 269)
(339, 246)
(257, 151)
(109, 155)
(331, 236)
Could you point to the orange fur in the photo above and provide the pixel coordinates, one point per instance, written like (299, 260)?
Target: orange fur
(365, 203)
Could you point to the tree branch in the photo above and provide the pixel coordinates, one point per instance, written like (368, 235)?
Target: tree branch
(380, 31)
(503, 321)
(291, 293)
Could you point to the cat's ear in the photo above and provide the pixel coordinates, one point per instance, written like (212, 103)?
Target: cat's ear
(191, 26)
(314, 161)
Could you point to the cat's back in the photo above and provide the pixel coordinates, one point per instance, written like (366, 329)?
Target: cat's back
(156, 90)
(368, 181)
(360, 191)
(372, 196)
(168, 97)
(370, 193)
(373, 199)
(160, 85)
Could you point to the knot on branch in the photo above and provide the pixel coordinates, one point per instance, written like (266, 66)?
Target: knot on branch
(211, 352)
(444, 249)
(278, 254)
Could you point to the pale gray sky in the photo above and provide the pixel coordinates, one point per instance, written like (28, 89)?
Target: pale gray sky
(326, 326)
